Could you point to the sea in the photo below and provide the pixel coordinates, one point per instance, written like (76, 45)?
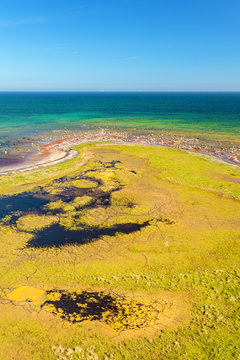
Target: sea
(25, 114)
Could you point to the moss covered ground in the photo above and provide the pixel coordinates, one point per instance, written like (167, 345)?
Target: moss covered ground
(125, 252)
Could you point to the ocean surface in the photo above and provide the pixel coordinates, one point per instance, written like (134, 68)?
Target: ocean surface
(24, 114)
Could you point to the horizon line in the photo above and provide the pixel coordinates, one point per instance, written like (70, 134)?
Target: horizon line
(119, 91)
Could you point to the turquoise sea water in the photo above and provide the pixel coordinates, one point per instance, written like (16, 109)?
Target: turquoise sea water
(25, 113)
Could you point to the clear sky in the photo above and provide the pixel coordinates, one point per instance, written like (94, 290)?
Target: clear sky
(130, 45)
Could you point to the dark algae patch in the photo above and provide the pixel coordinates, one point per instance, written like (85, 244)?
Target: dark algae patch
(22, 203)
(62, 189)
(56, 235)
(66, 200)
(117, 311)
(110, 164)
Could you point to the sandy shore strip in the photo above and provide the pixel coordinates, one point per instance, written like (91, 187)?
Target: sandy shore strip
(60, 150)
(53, 157)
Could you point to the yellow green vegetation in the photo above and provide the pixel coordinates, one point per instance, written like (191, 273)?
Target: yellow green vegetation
(155, 229)
(34, 222)
(26, 293)
(84, 183)
(55, 205)
(81, 201)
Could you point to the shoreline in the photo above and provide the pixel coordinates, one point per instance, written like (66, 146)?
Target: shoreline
(60, 150)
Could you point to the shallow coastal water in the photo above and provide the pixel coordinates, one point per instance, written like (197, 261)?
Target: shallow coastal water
(28, 113)
(30, 119)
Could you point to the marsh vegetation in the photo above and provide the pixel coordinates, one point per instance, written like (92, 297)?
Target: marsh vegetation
(129, 251)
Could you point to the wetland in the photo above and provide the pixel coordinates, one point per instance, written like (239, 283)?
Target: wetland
(128, 250)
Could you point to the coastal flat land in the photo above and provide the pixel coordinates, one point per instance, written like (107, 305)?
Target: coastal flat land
(56, 147)
(124, 252)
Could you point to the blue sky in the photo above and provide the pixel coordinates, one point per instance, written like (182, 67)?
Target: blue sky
(143, 45)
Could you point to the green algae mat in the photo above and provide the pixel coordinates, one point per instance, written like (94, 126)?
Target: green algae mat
(125, 252)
